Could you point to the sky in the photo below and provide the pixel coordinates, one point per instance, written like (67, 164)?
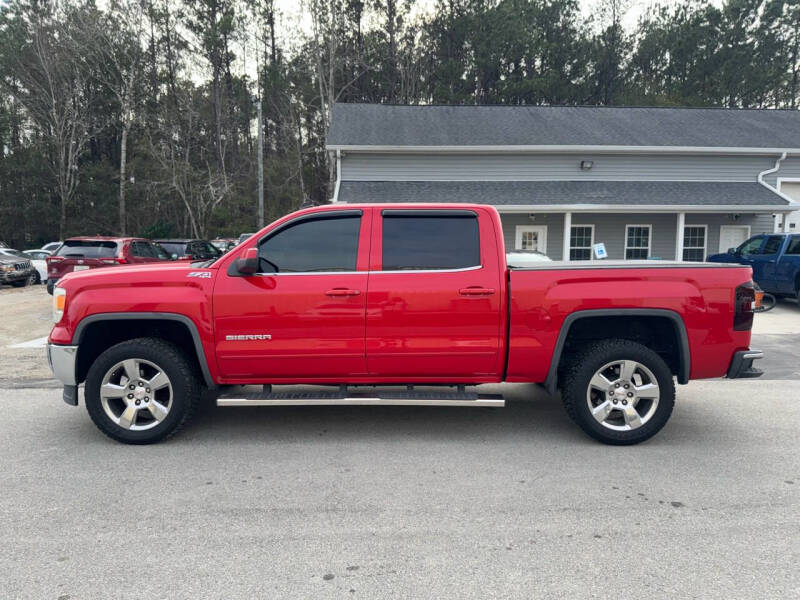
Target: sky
(292, 10)
(293, 18)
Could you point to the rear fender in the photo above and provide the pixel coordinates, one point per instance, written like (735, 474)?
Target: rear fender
(680, 329)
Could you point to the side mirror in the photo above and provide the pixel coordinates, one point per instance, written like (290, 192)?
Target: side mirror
(247, 263)
(731, 250)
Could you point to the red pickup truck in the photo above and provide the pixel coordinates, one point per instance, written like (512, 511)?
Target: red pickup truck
(390, 299)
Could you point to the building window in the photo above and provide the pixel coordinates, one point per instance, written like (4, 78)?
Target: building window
(581, 238)
(637, 242)
(531, 237)
(694, 243)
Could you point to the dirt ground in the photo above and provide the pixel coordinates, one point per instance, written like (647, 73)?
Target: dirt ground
(25, 316)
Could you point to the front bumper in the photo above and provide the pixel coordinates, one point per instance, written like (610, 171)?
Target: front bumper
(62, 361)
(742, 364)
(14, 276)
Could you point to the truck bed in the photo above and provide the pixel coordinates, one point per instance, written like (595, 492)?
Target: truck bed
(542, 298)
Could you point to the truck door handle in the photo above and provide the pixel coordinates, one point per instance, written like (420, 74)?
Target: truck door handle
(342, 292)
(476, 291)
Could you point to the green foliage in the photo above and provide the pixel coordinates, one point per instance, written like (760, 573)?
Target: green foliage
(159, 230)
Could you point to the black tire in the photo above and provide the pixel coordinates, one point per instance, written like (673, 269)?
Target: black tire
(182, 376)
(37, 279)
(21, 283)
(575, 384)
(50, 285)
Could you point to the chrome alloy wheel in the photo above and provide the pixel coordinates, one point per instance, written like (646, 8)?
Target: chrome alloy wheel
(623, 395)
(136, 394)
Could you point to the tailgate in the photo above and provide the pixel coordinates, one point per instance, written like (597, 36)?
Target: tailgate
(80, 255)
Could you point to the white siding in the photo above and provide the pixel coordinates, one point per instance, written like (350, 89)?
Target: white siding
(790, 168)
(537, 167)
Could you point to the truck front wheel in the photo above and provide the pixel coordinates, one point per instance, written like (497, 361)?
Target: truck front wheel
(141, 391)
(618, 391)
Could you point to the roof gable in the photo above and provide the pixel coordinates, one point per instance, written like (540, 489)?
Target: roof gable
(366, 125)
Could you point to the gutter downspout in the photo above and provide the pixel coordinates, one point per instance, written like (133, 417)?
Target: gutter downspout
(338, 177)
(774, 169)
(784, 216)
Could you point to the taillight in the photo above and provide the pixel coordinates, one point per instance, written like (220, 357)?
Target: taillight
(744, 307)
(53, 259)
(114, 261)
(188, 257)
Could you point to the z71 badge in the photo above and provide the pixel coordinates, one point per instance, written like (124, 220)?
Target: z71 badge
(200, 274)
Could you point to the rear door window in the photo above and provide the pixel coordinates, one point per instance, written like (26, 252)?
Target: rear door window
(794, 245)
(772, 245)
(413, 240)
(87, 249)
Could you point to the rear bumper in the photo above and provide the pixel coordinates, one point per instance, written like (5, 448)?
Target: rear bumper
(62, 361)
(742, 364)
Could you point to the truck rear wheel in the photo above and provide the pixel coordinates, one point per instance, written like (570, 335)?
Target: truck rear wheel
(141, 391)
(618, 391)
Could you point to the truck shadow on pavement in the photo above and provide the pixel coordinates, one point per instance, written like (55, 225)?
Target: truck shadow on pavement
(530, 414)
(528, 411)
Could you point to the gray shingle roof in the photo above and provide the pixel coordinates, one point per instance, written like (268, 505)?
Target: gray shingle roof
(515, 193)
(393, 125)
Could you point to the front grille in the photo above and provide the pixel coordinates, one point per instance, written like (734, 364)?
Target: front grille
(22, 266)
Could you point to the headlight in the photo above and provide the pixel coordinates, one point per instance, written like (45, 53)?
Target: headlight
(59, 302)
(6, 268)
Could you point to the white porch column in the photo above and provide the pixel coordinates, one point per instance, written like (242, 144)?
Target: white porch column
(679, 236)
(785, 222)
(567, 231)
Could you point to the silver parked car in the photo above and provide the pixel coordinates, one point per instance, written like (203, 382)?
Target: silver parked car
(16, 271)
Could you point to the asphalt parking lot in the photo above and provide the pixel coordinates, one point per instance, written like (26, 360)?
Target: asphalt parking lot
(380, 502)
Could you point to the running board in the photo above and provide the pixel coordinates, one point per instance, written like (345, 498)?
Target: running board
(408, 398)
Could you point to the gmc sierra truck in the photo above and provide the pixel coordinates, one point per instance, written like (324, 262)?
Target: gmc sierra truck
(379, 301)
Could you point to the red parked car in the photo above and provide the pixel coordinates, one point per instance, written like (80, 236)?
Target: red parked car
(395, 296)
(83, 253)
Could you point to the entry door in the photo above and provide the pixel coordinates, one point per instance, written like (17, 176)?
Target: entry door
(531, 237)
(302, 316)
(732, 236)
(435, 296)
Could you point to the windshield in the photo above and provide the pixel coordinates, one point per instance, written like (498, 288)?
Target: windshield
(88, 249)
(176, 248)
(751, 246)
(160, 252)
